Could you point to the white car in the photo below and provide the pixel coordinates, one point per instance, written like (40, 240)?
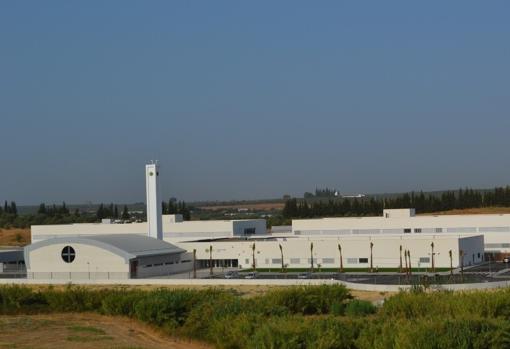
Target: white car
(251, 275)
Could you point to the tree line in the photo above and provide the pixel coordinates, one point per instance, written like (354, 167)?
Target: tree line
(61, 214)
(176, 207)
(373, 206)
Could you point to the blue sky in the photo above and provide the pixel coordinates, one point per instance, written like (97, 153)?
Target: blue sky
(251, 99)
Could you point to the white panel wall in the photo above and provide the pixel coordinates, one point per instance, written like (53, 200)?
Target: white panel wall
(88, 259)
(386, 251)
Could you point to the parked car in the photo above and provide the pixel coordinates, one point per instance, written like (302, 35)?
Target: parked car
(251, 275)
(306, 275)
(232, 274)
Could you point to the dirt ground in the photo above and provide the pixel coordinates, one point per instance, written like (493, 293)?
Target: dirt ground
(14, 237)
(83, 331)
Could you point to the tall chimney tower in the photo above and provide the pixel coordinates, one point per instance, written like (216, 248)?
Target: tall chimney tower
(153, 205)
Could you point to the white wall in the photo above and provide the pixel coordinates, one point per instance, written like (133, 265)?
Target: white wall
(171, 230)
(48, 260)
(325, 252)
(495, 228)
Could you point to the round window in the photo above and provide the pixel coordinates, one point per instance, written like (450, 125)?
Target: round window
(68, 254)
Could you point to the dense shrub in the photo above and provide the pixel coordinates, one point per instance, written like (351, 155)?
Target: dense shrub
(121, 302)
(308, 300)
(475, 333)
(15, 299)
(358, 307)
(314, 333)
(322, 317)
(448, 304)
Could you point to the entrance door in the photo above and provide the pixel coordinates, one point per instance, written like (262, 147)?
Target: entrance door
(133, 267)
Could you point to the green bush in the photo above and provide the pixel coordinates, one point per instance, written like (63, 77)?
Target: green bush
(14, 299)
(358, 307)
(121, 302)
(318, 317)
(308, 300)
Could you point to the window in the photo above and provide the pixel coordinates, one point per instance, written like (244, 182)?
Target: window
(68, 254)
(478, 255)
(276, 261)
(294, 261)
(417, 230)
(363, 260)
(246, 261)
(424, 259)
(439, 230)
(352, 260)
(249, 231)
(407, 230)
(328, 261)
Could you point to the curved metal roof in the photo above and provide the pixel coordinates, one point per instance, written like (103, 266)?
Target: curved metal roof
(128, 246)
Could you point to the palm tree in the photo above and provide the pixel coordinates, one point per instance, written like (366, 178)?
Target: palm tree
(461, 266)
(281, 252)
(341, 259)
(432, 254)
(400, 258)
(371, 257)
(410, 268)
(210, 260)
(405, 256)
(194, 263)
(253, 255)
(311, 255)
(451, 264)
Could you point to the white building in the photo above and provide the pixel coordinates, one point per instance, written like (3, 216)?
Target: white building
(495, 228)
(117, 256)
(174, 229)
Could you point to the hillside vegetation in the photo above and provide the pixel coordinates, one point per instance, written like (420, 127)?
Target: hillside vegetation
(319, 317)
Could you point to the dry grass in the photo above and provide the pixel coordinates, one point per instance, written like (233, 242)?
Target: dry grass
(482, 210)
(14, 237)
(83, 331)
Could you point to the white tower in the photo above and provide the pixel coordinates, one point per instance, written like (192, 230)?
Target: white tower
(153, 204)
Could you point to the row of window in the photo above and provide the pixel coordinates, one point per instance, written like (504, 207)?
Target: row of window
(161, 264)
(356, 260)
(405, 230)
